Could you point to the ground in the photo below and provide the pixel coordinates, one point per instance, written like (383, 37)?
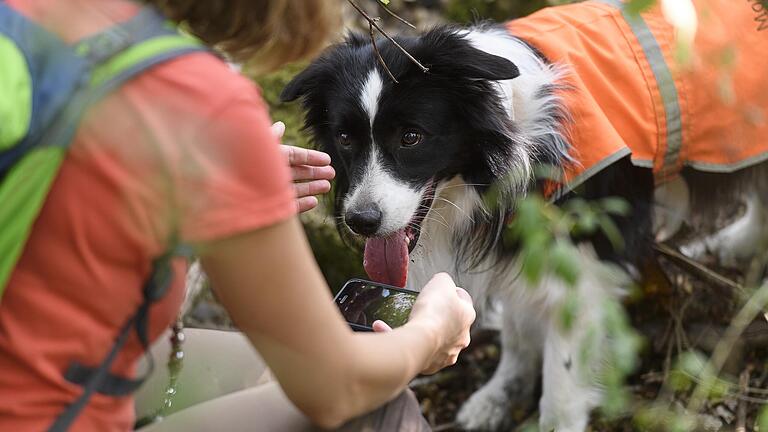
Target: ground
(689, 313)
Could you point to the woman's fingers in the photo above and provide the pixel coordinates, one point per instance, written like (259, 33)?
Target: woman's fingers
(306, 203)
(380, 326)
(310, 169)
(313, 166)
(316, 187)
(278, 129)
(306, 172)
(301, 156)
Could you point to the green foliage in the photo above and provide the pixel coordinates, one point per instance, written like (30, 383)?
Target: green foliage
(692, 368)
(465, 11)
(621, 353)
(762, 419)
(290, 114)
(636, 7)
(543, 233)
(661, 418)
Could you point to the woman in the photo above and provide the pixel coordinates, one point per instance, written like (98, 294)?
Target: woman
(185, 150)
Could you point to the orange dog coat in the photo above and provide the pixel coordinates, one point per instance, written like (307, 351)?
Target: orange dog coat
(630, 95)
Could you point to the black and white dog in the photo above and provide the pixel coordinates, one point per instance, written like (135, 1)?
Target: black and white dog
(414, 158)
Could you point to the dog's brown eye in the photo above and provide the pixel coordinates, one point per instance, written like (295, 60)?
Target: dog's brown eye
(343, 139)
(411, 138)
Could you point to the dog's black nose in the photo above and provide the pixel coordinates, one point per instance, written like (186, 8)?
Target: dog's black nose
(365, 220)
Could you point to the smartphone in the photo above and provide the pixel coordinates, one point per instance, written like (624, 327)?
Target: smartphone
(362, 302)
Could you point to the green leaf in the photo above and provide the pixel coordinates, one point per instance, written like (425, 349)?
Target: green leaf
(548, 172)
(491, 197)
(683, 52)
(762, 419)
(531, 427)
(610, 231)
(569, 310)
(690, 366)
(728, 57)
(615, 206)
(587, 222)
(533, 263)
(616, 402)
(565, 263)
(386, 2)
(636, 7)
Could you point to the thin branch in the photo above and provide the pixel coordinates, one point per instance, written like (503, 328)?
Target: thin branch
(696, 267)
(722, 350)
(378, 54)
(372, 22)
(394, 15)
(741, 411)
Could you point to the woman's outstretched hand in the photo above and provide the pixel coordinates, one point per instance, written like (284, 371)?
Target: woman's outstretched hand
(310, 169)
(447, 312)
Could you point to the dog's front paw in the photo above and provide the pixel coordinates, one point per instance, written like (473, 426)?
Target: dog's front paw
(488, 409)
(496, 406)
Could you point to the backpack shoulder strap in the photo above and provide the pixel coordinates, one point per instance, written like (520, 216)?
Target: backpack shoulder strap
(65, 81)
(121, 53)
(46, 73)
(117, 55)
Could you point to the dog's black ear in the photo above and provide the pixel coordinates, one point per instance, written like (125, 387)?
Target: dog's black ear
(311, 78)
(357, 39)
(481, 65)
(301, 84)
(450, 54)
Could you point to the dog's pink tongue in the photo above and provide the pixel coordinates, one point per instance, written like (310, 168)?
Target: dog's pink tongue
(386, 259)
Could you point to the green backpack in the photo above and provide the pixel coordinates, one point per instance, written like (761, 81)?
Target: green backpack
(46, 85)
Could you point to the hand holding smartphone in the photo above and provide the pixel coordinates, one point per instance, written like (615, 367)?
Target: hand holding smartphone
(362, 302)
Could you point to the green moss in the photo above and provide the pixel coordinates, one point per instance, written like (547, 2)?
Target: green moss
(289, 113)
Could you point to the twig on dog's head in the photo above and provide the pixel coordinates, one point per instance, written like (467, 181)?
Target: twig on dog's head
(394, 15)
(373, 24)
(378, 54)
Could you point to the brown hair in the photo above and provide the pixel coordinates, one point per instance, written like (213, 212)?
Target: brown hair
(262, 34)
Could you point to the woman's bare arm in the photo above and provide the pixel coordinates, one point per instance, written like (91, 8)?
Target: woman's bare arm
(269, 282)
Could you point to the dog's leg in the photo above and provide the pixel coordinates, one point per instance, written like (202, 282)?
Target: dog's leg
(568, 395)
(738, 242)
(573, 356)
(514, 382)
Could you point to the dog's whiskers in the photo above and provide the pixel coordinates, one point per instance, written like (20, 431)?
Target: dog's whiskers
(464, 185)
(457, 208)
(445, 224)
(416, 227)
(434, 211)
(437, 213)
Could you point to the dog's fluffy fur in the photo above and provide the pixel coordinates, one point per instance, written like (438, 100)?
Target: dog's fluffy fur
(488, 112)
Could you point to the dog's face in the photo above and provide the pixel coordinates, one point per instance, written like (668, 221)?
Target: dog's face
(393, 143)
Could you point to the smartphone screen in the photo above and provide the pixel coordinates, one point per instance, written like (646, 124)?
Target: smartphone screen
(362, 302)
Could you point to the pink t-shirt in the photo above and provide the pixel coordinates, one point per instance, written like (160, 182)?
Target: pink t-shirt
(186, 147)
